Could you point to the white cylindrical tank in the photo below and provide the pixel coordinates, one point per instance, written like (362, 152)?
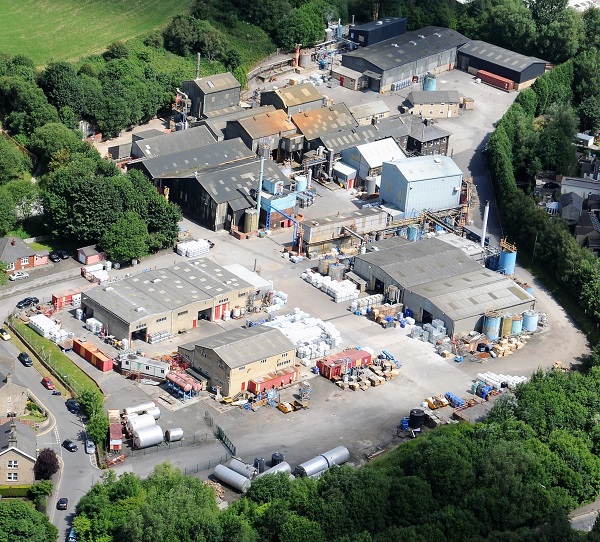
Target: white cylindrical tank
(173, 435)
(232, 478)
(147, 436)
(280, 467)
(241, 468)
(154, 412)
(139, 408)
(313, 466)
(139, 422)
(337, 456)
(125, 344)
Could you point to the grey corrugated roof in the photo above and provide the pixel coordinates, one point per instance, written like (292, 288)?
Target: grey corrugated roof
(218, 125)
(325, 120)
(26, 438)
(175, 142)
(433, 96)
(421, 168)
(294, 95)
(217, 83)
(229, 183)
(499, 56)
(411, 264)
(241, 346)
(410, 47)
(266, 124)
(377, 24)
(11, 253)
(369, 109)
(162, 290)
(147, 134)
(183, 164)
(224, 112)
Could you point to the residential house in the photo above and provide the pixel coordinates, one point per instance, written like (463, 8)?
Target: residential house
(587, 232)
(18, 453)
(578, 185)
(19, 255)
(90, 255)
(433, 104)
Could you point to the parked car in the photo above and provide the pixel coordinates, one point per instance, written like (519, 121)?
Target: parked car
(62, 503)
(47, 383)
(54, 256)
(4, 335)
(72, 406)
(17, 275)
(27, 302)
(24, 358)
(90, 447)
(64, 255)
(70, 445)
(72, 536)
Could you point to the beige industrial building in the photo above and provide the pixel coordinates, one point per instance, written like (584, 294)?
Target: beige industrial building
(165, 301)
(237, 360)
(434, 104)
(17, 454)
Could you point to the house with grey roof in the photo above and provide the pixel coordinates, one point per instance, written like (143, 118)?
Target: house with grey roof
(18, 453)
(370, 113)
(571, 206)
(433, 104)
(20, 256)
(587, 232)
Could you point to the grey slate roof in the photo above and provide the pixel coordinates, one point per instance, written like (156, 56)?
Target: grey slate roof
(433, 96)
(372, 25)
(294, 95)
(183, 164)
(217, 83)
(147, 134)
(499, 56)
(241, 346)
(230, 183)
(11, 253)
(26, 438)
(218, 125)
(175, 142)
(314, 123)
(410, 47)
(369, 109)
(571, 198)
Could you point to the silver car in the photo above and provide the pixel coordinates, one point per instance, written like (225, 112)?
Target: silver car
(17, 275)
(90, 447)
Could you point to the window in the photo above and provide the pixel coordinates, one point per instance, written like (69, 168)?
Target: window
(11, 265)
(182, 313)
(242, 294)
(263, 361)
(161, 319)
(12, 476)
(241, 368)
(13, 464)
(221, 365)
(442, 103)
(24, 261)
(284, 355)
(147, 367)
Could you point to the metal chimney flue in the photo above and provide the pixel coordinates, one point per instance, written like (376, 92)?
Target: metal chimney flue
(486, 214)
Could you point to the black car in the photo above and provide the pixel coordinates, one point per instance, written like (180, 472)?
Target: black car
(62, 503)
(24, 358)
(55, 256)
(64, 255)
(27, 302)
(72, 406)
(70, 445)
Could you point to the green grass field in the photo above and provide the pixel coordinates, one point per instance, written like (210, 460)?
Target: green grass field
(52, 30)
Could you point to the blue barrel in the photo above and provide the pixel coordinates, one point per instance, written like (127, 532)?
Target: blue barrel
(408, 313)
(411, 232)
(399, 316)
(315, 370)
(323, 64)
(493, 262)
(404, 424)
(530, 320)
(403, 323)
(517, 324)
(507, 262)
(491, 325)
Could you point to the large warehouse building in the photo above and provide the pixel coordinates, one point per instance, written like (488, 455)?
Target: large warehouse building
(396, 62)
(165, 301)
(440, 281)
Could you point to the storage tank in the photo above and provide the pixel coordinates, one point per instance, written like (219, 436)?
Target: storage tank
(140, 422)
(507, 262)
(280, 467)
(241, 468)
(506, 327)
(181, 383)
(336, 271)
(429, 82)
(250, 220)
(147, 436)
(125, 344)
(139, 408)
(231, 478)
(411, 232)
(154, 412)
(313, 466)
(517, 324)
(491, 325)
(416, 418)
(530, 320)
(277, 458)
(301, 183)
(371, 187)
(260, 464)
(323, 266)
(337, 456)
(304, 60)
(174, 435)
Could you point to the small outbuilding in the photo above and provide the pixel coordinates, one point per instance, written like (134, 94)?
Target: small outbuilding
(90, 255)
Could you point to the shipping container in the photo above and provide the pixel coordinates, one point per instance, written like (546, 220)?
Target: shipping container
(93, 355)
(334, 366)
(71, 297)
(495, 80)
(269, 381)
(115, 436)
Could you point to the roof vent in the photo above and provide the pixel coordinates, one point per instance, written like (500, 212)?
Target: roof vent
(108, 288)
(437, 160)
(139, 309)
(379, 22)
(437, 34)
(394, 45)
(422, 36)
(413, 42)
(155, 280)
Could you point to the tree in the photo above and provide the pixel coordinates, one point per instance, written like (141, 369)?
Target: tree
(3, 270)
(181, 35)
(25, 196)
(8, 216)
(589, 113)
(38, 493)
(19, 522)
(117, 49)
(13, 162)
(97, 427)
(232, 59)
(61, 85)
(126, 239)
(46, 464)
(91, 402)
(211, 42)
(50, 138)
(510, 25)
(591, 25)
(559, 40)
(545, 12)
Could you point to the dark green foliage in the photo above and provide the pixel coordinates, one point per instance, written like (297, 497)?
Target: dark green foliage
(19, 522)
(60, 83)
(116, 49)
(13, 162)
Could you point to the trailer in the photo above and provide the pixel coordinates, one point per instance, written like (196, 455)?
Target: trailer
(131, 363)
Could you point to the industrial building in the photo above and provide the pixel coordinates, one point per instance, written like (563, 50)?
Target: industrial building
(439, 281)
(349, 78)
(314, 124)
(255, 358)
(370, 113)
(376, 31)
(399, 61)
(218, 125)
(368, 160)
(511, 70)
(421, 183)
(293, 99)
(434, 104)
(165, 300)
(580, 186)
(171, 143)
(210, 94)
(262, 129)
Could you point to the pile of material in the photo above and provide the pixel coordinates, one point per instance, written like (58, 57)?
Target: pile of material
(379, 313)
(360, 306)
(219, 491)
(193, 249)
(499, 381)
(341, 291)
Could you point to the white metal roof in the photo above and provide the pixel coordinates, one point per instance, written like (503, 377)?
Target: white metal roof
(420, 168)
(342, 168)
(377, 152)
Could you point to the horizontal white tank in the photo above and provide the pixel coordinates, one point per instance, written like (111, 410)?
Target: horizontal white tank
(241, 468)
(139, 422)
(232, 478)
(280, 467)
(154, 412)
(337, 456)
(173, 435)
(313, 466)
(139, 408)
(147, 436)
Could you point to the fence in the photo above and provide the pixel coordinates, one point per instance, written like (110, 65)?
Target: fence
(194, 440)
(225, 440)
(199, 467)
(41, 281)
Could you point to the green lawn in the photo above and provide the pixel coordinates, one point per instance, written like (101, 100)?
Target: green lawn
(48, 31)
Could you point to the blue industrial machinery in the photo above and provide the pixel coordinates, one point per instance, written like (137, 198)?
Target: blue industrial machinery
(297, 235)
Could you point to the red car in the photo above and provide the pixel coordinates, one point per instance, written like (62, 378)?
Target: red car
(47, 383)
